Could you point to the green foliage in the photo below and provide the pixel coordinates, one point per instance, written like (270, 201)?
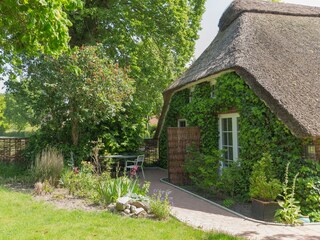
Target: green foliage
(113, 188)
(231, 182)
(308, 190)
(160, 205)
(178, 100)
(26, 218)
(33, 26)
(155, 38)
(203, 169)
(3, 121)
(71, 96)
(100, 188)
(290, 209)
(229, 202)
(261, 131)
(263, 184)
(15, 173)
(15, 113)
(200, 112)
(48, 165)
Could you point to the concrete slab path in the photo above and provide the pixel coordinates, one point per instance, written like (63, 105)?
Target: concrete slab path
(201, 214)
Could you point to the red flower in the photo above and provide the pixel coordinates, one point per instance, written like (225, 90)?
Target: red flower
(134, 170)
(75, 170)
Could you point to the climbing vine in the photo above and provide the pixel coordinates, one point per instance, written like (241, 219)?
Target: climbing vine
(260, 130)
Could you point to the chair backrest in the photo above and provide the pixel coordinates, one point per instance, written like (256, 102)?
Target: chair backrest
(140, 160)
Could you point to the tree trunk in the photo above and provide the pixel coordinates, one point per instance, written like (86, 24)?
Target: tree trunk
(74, 132)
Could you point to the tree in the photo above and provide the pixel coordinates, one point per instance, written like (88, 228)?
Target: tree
(70, 96)
(33, 26)
(155, 38)
(3, 122)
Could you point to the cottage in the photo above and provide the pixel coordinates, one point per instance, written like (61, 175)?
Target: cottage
(255, 89)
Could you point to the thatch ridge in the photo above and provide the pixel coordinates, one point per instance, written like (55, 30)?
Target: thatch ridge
(277, 55)
(239, 7)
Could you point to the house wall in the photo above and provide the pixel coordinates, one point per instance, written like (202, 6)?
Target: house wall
(261, 131)
(317, 146)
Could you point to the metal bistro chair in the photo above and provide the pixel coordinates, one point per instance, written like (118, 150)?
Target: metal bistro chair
(137, 163)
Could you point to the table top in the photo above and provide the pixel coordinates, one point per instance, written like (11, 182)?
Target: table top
(120, 156)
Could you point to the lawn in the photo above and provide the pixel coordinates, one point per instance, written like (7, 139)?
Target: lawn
(21, 217)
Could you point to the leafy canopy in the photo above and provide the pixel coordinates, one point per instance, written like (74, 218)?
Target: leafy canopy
(155, 38)
(69, 96)
(35, 25)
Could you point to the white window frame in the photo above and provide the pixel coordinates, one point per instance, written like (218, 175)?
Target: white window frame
(235, 140)
(182, 120)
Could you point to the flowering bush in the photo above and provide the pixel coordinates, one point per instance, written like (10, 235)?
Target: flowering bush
(160, 204)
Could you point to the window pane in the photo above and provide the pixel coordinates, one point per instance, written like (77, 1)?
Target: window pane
(230, 150)
(229, 124)
(224, 124)
(225, 138)
(230, 142)
(182, 123)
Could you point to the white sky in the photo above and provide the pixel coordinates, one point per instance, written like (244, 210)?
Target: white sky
(210, 20)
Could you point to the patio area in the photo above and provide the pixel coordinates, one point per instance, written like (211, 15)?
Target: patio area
(201, 214)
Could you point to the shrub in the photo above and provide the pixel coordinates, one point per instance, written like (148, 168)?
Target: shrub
(48, 165)
(308, 190)
(229, 202)
(160, 205)
(110, 189)
(290, 209)
(263, 184)
(231, 181)
(203, 169)
(84, 182)
(81, 182)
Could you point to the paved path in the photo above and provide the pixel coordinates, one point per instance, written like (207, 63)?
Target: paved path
(201, 214)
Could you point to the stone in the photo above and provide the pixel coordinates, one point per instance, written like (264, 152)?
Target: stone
(127, 206)
(143, 205)
(127, 211)
(133, 209)
(111, 207)
(122, 213)
(122, 202)
(141, 213)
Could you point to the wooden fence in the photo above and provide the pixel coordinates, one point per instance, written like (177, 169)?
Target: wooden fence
(178, 141)
(11, 148)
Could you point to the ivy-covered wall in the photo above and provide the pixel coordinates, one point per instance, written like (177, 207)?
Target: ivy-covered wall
(260, 129)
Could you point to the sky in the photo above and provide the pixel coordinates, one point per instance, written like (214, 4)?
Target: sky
(210, 20)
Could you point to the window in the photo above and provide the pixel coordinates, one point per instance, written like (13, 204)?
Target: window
(182, 123)
(311, 152)
(229, 131)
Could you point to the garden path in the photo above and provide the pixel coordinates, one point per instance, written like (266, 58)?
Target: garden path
(201, 214)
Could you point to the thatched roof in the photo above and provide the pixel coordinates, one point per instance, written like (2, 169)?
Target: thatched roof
(275, 49)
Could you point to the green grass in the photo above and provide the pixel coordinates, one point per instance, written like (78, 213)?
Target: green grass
(23, 218)
(10, 170)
